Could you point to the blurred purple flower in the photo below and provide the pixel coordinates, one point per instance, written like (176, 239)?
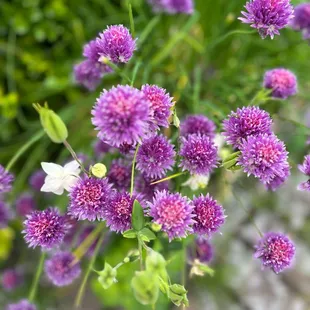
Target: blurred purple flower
(197, 124)
(119, 174)
(25, 204)
(6, 179)
(37, 180)
(11, 279)
(301, 20)
(5, 215)
(305, 169)
(23, 304)
(172, 6)
(201, 250)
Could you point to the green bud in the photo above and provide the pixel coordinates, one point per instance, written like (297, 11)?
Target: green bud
(177, 294)
(99, 170)
(107, 276)
(178, 289)
(230, 162)
(52, 124)
(132, 256)
(156, 227)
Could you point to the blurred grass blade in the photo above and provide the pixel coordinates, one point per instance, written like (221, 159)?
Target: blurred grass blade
(132, 23)
(148, 29)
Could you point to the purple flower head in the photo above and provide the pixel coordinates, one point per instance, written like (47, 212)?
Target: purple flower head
(172, 6)
(46, 228)
(202, 250)
(197, 124)
(101, 148)
(127, 149)
(263, 156)
(5, 215)
(60, 270)
(25, 204)
(199, 154)
(37, 180)
(6, 180)
(278, 181)
(305, 169)
(245, 122)
(119, 174)
(208, 215)
(89, 197)
(116, 44)
(301, 20)
(268, 16)
(282, 82)
(155, 156)
(11, 279)
(276, 251)
(160, 106)
(91, 51)
(23, 304)
(173, 212)
(121, 115)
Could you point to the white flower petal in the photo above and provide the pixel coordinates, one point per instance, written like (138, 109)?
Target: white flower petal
(52, 169)
(51, 184)
(69, 182)
(72, 168)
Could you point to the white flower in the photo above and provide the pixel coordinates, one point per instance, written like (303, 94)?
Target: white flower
(59, 178)
(197, 181)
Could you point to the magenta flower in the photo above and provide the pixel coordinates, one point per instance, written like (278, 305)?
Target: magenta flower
(25, 204)
(263, 156)
(197, 124)
(305, 169)
(11, 279)
(276, 251)
(6, 180)
(155, 156)
(60, 270)
(301, 20)
(23, 304)
(89, 197)
(37, 180)
(173, 212)
(5, 215)
(119, 174)
(282, 82)
(201, 250)
(121, 115)
(116, 44)
(247, 121)
(268, 16)
(46, 229)
(160, 105)
(172, 6)
(199, 154)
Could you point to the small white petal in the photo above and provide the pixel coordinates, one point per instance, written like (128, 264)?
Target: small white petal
(72, 168)
(69, 182)
(52, 169)
(51, 184)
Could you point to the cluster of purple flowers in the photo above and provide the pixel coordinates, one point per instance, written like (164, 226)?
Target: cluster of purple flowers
(172, 6)
(301, 20)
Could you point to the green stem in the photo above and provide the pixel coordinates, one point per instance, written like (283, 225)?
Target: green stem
(133, 170)
(81, 291)
(140, 252)
(36, 278)
(23, 149)
(70, 149)
(135, 71)
(117, 69)
(168, 178)
(132, 24)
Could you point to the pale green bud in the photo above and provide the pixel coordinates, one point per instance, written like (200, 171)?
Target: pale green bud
(99, 170)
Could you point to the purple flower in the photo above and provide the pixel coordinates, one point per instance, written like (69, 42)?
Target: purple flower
(91, 51)
(5, 215)
(60, 270)
(120, 174)
(37, 180)
(263, 156)
(25, 204)
(89, 197)
(197, 124)
(101, 148)
(172, 6)
(116, 44)
(248, 121)
(202, 250)
(160, 106)
(199, 154)
(6, 180)
(268, 16)
(46, 228)
(121, 115)
(208, 215)
(301, 20)
(173, 212)
(23, 304)
(276, 251)
(11, 279)
(282, 82)
(277, 181)
(127, 149)
(155, 156)
(305, 169)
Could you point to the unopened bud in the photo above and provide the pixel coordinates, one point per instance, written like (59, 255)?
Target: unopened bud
(156, 227)
(99, 170)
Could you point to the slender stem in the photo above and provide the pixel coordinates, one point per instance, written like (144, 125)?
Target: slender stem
(116, 69)
(23, 149)
(70, 149)
(36, 278)
(132, 24)
(183, 275)
(168, 178)
(135, 71)
(133, 170)
(140, 252)
(81, 291)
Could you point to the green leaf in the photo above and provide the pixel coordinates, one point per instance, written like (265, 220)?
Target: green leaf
(137, 220)
(130, 234)
(107, 276)
(206, 269)
(147, 235)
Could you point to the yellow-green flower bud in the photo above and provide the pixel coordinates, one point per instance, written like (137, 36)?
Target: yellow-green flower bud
(99, 170)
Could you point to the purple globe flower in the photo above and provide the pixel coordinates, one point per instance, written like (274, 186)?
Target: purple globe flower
(208, 215)
(60, 270)
(276, 251)
(247, 121)
(199, 154)
(263, 156)
(116, 44)
(282, 82)
(37, 180)
(120, 174)
(172, 6)
(121, 115)
(278, 181)
(6, 180)
(25, 204)
(155, 156)
(46, 229)
(11, 279)
(5, 215)
(202, 250)
(197, 124)
(23, 304)
(89, 197)
(173, 212)
(91, 51)
(268, 16)
(160, 106)
(305, 169)
(301, 20)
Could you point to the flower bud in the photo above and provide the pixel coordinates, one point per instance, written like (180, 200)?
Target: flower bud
(107, 276)
(156, 227)
(99, 170)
